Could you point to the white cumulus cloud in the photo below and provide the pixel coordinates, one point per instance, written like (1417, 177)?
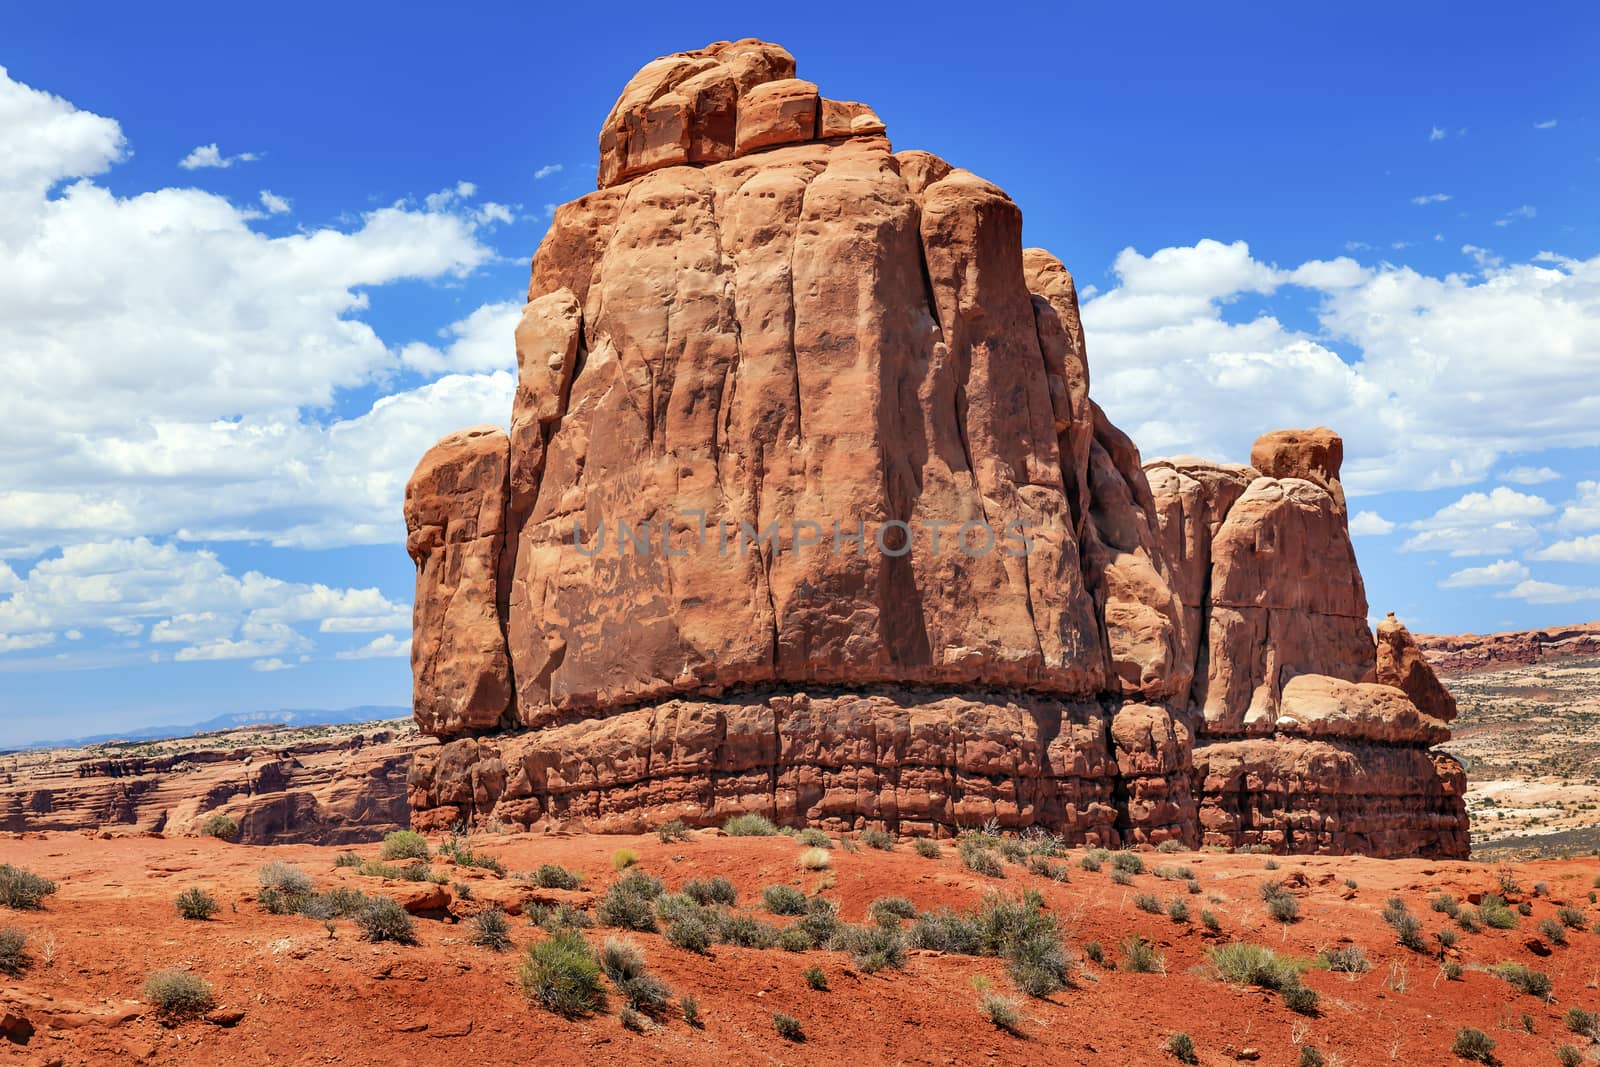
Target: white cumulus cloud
(207, 156)
(1500, 572)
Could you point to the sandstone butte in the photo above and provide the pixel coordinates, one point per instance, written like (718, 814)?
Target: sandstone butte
(764, 314)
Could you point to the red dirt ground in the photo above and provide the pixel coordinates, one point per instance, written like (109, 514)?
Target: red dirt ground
(309, 999)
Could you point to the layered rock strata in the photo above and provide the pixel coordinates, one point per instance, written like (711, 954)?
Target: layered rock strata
(805, 508)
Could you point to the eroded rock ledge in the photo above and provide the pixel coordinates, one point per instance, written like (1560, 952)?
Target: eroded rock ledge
(765, 316)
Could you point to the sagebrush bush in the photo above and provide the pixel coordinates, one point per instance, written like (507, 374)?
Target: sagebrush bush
(1407, 927)
(1095, 952)
(1567, 1056)
(885, 909)
(749, 824)
(977, 858)
(457, 850)
(1140, 956)
(562, 975)
(14, 958)
(624, 964)
(404, 845)
(1571, 917)
(383, 919)
(690, 1007)
(811, 837)
(1553, 930)
(788, 1027)
(1170, 846)
(1121, 877)
(691, 932)
(1299, 998)
(23, 890)
(1311, 1056)
(815, 859)
(1445, 904)
(1012, 849)
(1210, 921)
(196, 904)
(1582, 1021)
(1128, 862)
(1038, 962)
(550, 876)
(821, 921)
(745, 931)
(784, 900)
(1494, 912)
(1181, 1046)
(711, 891)
(927, 847)
(878, 839)
(676, 830)
(1451, 971)
(1178, 910)
(999, 1010)
(347, 859)
(178, 994)
(220, 827)
(635, 1020)
(1473, 1044)
(1257, 965)
(815, 978)
(1147, 902)
(623, 858)
(285, 878)
(1520, 975)
(1468, 920)
(1045, 867)
(630, 902)
(491, 930)
(793, 938)
(1348, 959)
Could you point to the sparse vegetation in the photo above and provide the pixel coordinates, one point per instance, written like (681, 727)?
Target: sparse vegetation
(1147, 902)
(1571, 917)
(1347, 959)
(1141, 957)
(784, 900)
(815, 859)
(623, 858)
(1553, 930)
(676, 830)
(383, 919)
(1407, 927)
(749, 824)
(690, 1007)
(178, 994)
(1127, 862)
(1178, 910)
(404, 845)
(888, 910)
(711, 891)
(815, 978)
(811, 837)
(1473, 1044)
(630, 902)
(562, 975)
(1181, 1046)
(23, 890)
(14, 958)
(550, 876)
(220, 827)
(1525, 978)
(788, 1027)
(285, 878)
(927, 848)
(624, 964)
(999, 1010)
(1583, 1022)
(491, 930)
(196, 904)
(979, 859)
(878, 839)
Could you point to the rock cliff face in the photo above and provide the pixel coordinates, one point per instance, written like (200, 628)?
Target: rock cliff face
(805, 508)
(1452, 654)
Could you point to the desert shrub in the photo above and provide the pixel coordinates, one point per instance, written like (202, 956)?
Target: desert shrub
(927, 848)
(946, 931)
(811, 837)
(676, 830)
(1140, 956)
(1447, 938)
(1347, 959)
(849, 845)
(1147, 902)
(1178, 910)
(1127, 862)
(1468, 920)
(788, 1027)
(1451, 971)
(458, 851)
(1170, 846)
(1553, 930)
(629, 905)
(1311, 1056)
(815, 978)
(1445, 904)
(490, 930)
(978, 859)
(690, 1007)
(1473, 1044)
(1256, 965)
(196, 904)
(1270, 865)
(887, 910)
(22, 890)
(178, 994)
(404, 845)
(1121, 877)
(1407, 927)
(278, 902)
(1299, 998)
(821, 921)
(347, 859)
(749, 824)
(999, 1010)
(1521, 976)
(1524, 908)
(784, 900)
(691, 931)
(551, 876)
(1210, 921)
(624, 964)
(1493, 912)
(878, 839)
(711, 891)
(634, 1020)
(220, 827)
(1092, 859)
(383, 919)
(815, 859)
(1571, 917)
(1193, 885)
(1012, 849)
(14, 958)
(623, 858)
(285, 878)
(340, 902)
(873, 948)
(1038, 962)
(1284, 908)
(1567, 1056)
(562, 975)
(794, 939)
(1582, 1021)
(746, 931)
(1045, 867)
(566, 917)
(1181, 1046)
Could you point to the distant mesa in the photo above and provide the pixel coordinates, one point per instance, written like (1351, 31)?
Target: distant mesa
(778, 386)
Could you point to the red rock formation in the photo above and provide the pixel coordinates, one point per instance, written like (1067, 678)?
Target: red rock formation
(804, 490)
(1452, 654)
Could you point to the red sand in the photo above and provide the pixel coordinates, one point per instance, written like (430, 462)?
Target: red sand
(311, 1000)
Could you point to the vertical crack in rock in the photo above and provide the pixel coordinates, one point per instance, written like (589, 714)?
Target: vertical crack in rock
(766, 316)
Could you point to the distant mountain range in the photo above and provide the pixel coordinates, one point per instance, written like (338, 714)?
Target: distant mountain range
(281, 717)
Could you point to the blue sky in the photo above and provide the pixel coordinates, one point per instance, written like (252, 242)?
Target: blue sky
(222, 372)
